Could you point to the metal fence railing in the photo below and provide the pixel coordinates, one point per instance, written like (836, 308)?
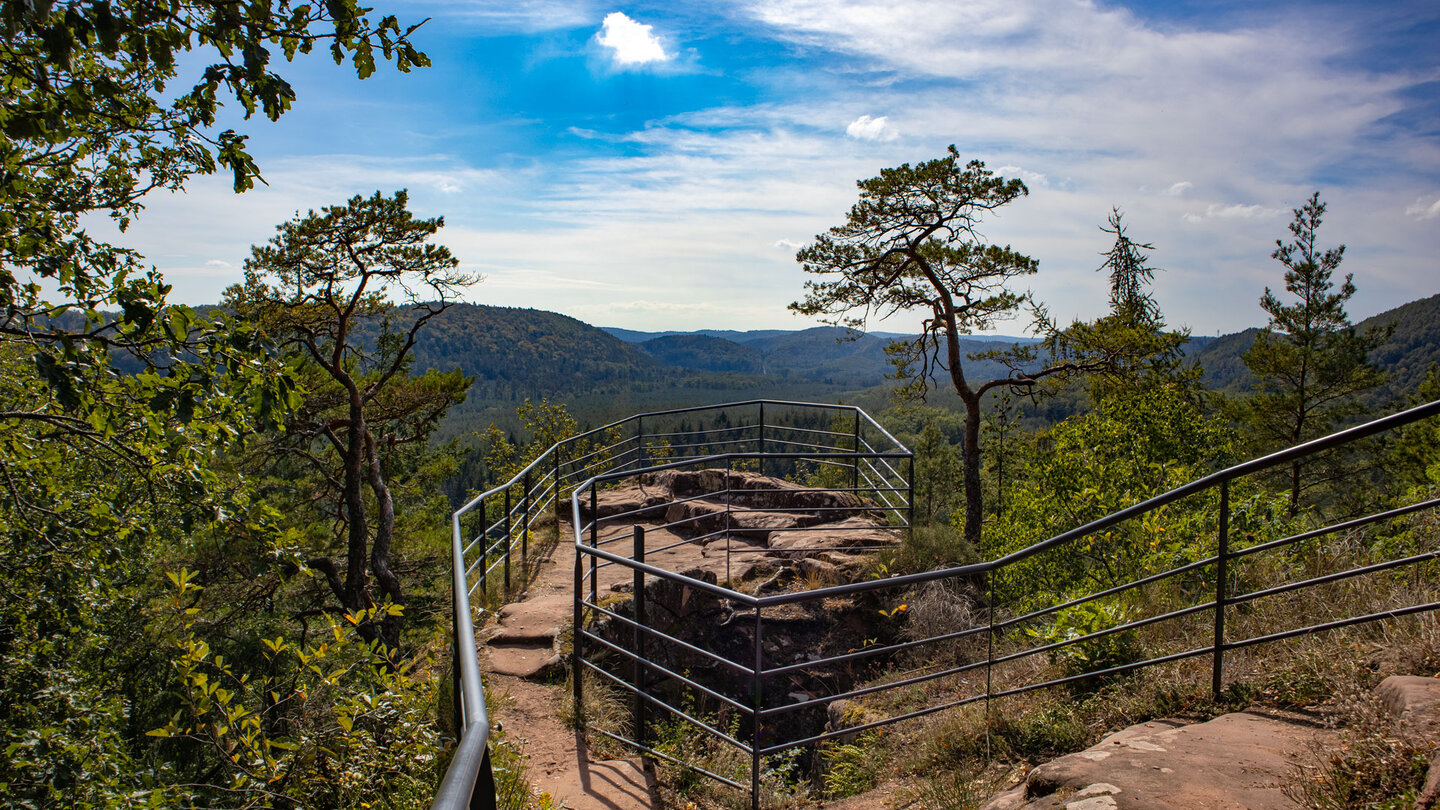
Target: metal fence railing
(495, 527)
(754, 700)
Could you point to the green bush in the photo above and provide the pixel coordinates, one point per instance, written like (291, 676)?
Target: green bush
(1096, 654)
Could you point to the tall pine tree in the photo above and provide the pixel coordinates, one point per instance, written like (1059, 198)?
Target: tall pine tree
(1309, 362)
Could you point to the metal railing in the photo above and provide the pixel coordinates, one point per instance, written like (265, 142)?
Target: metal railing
(497, 525)
(733, 699)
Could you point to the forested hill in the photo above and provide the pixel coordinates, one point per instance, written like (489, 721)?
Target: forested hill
(515, 354)
(518, 353)
(1412, 347)
(528, 352)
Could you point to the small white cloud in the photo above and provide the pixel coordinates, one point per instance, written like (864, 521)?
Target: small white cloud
(866, 128)
(788, 244)
(1424, 210)
(630, 42)
(1217, 211)
(1030, 178)
(1179, 188)
(447, 185)
(219, 264)
(1241, 211)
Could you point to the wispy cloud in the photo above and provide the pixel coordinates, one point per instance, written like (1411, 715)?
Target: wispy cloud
(1424, 208)
(1217, 211)
(630, 43)
(1179, 189)
(1030, 178)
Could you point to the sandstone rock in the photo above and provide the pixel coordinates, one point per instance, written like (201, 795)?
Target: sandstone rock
(850, 533)
(701, 517)
(532, 661)
(1239, 761)
(750, 489)
(536, 620)
(635, 502)
(1414, 702)
(676, 598)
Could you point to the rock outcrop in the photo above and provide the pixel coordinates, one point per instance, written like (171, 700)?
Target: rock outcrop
(1238, 761)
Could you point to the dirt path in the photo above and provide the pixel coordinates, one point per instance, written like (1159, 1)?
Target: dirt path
(521, 648)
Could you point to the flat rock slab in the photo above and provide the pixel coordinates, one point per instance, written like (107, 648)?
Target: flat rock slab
(1414, 702)
(850, 533)
(535, 660)
(1238, 761)
(533, 620)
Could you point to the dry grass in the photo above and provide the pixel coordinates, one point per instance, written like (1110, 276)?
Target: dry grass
(960, 757)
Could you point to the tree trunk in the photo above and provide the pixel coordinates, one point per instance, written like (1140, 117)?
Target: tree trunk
(380, 549)
(357, 583)
(974, 498)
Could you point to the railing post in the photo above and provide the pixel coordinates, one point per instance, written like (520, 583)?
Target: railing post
(559, 492)
(577, 643)
(855, 460)
(1222, 559)
(728, 464)
(639, 640)
(640, 442)
(757, 703)
(508, 529)
(485, 794)
(762, 437)
(990, 576)
(484, 554)
(910, 494)
(594, 543)
(525, 515)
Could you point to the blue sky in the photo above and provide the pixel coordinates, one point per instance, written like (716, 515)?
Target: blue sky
(656, 165)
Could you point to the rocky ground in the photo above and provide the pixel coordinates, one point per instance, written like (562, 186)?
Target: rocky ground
(1239, 761)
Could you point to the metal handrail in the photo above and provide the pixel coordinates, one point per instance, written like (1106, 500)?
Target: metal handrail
(468, 781)
(985, 572)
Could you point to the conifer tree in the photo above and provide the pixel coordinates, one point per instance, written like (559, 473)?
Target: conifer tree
(1309, 362)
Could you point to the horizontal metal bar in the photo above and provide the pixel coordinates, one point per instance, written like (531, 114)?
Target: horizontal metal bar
(1116, 670)
(1335, 577)
(739, 668)
(654, 666)
(1335, 625)
(1107, 592)
(662, 755)
(597, 451)
(723, 593)
(654, 701)
(870, 690)
(821, 431)
(1119, 628)
(1349, 524)
(876, 650)
(863, 727)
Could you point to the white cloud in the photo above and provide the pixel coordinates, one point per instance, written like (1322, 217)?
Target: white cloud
(1030, 178)
(1217, 211)
(630, 42)
(219, 264)
(1236, 211)
(788, 244)
(521, 15)
(866, 128)
(1179, 188)
(1422, 210)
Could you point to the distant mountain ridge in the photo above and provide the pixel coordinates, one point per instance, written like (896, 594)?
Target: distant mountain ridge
(1413, 346)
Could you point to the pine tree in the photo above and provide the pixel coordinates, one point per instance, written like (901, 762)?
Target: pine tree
(1309, 362)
